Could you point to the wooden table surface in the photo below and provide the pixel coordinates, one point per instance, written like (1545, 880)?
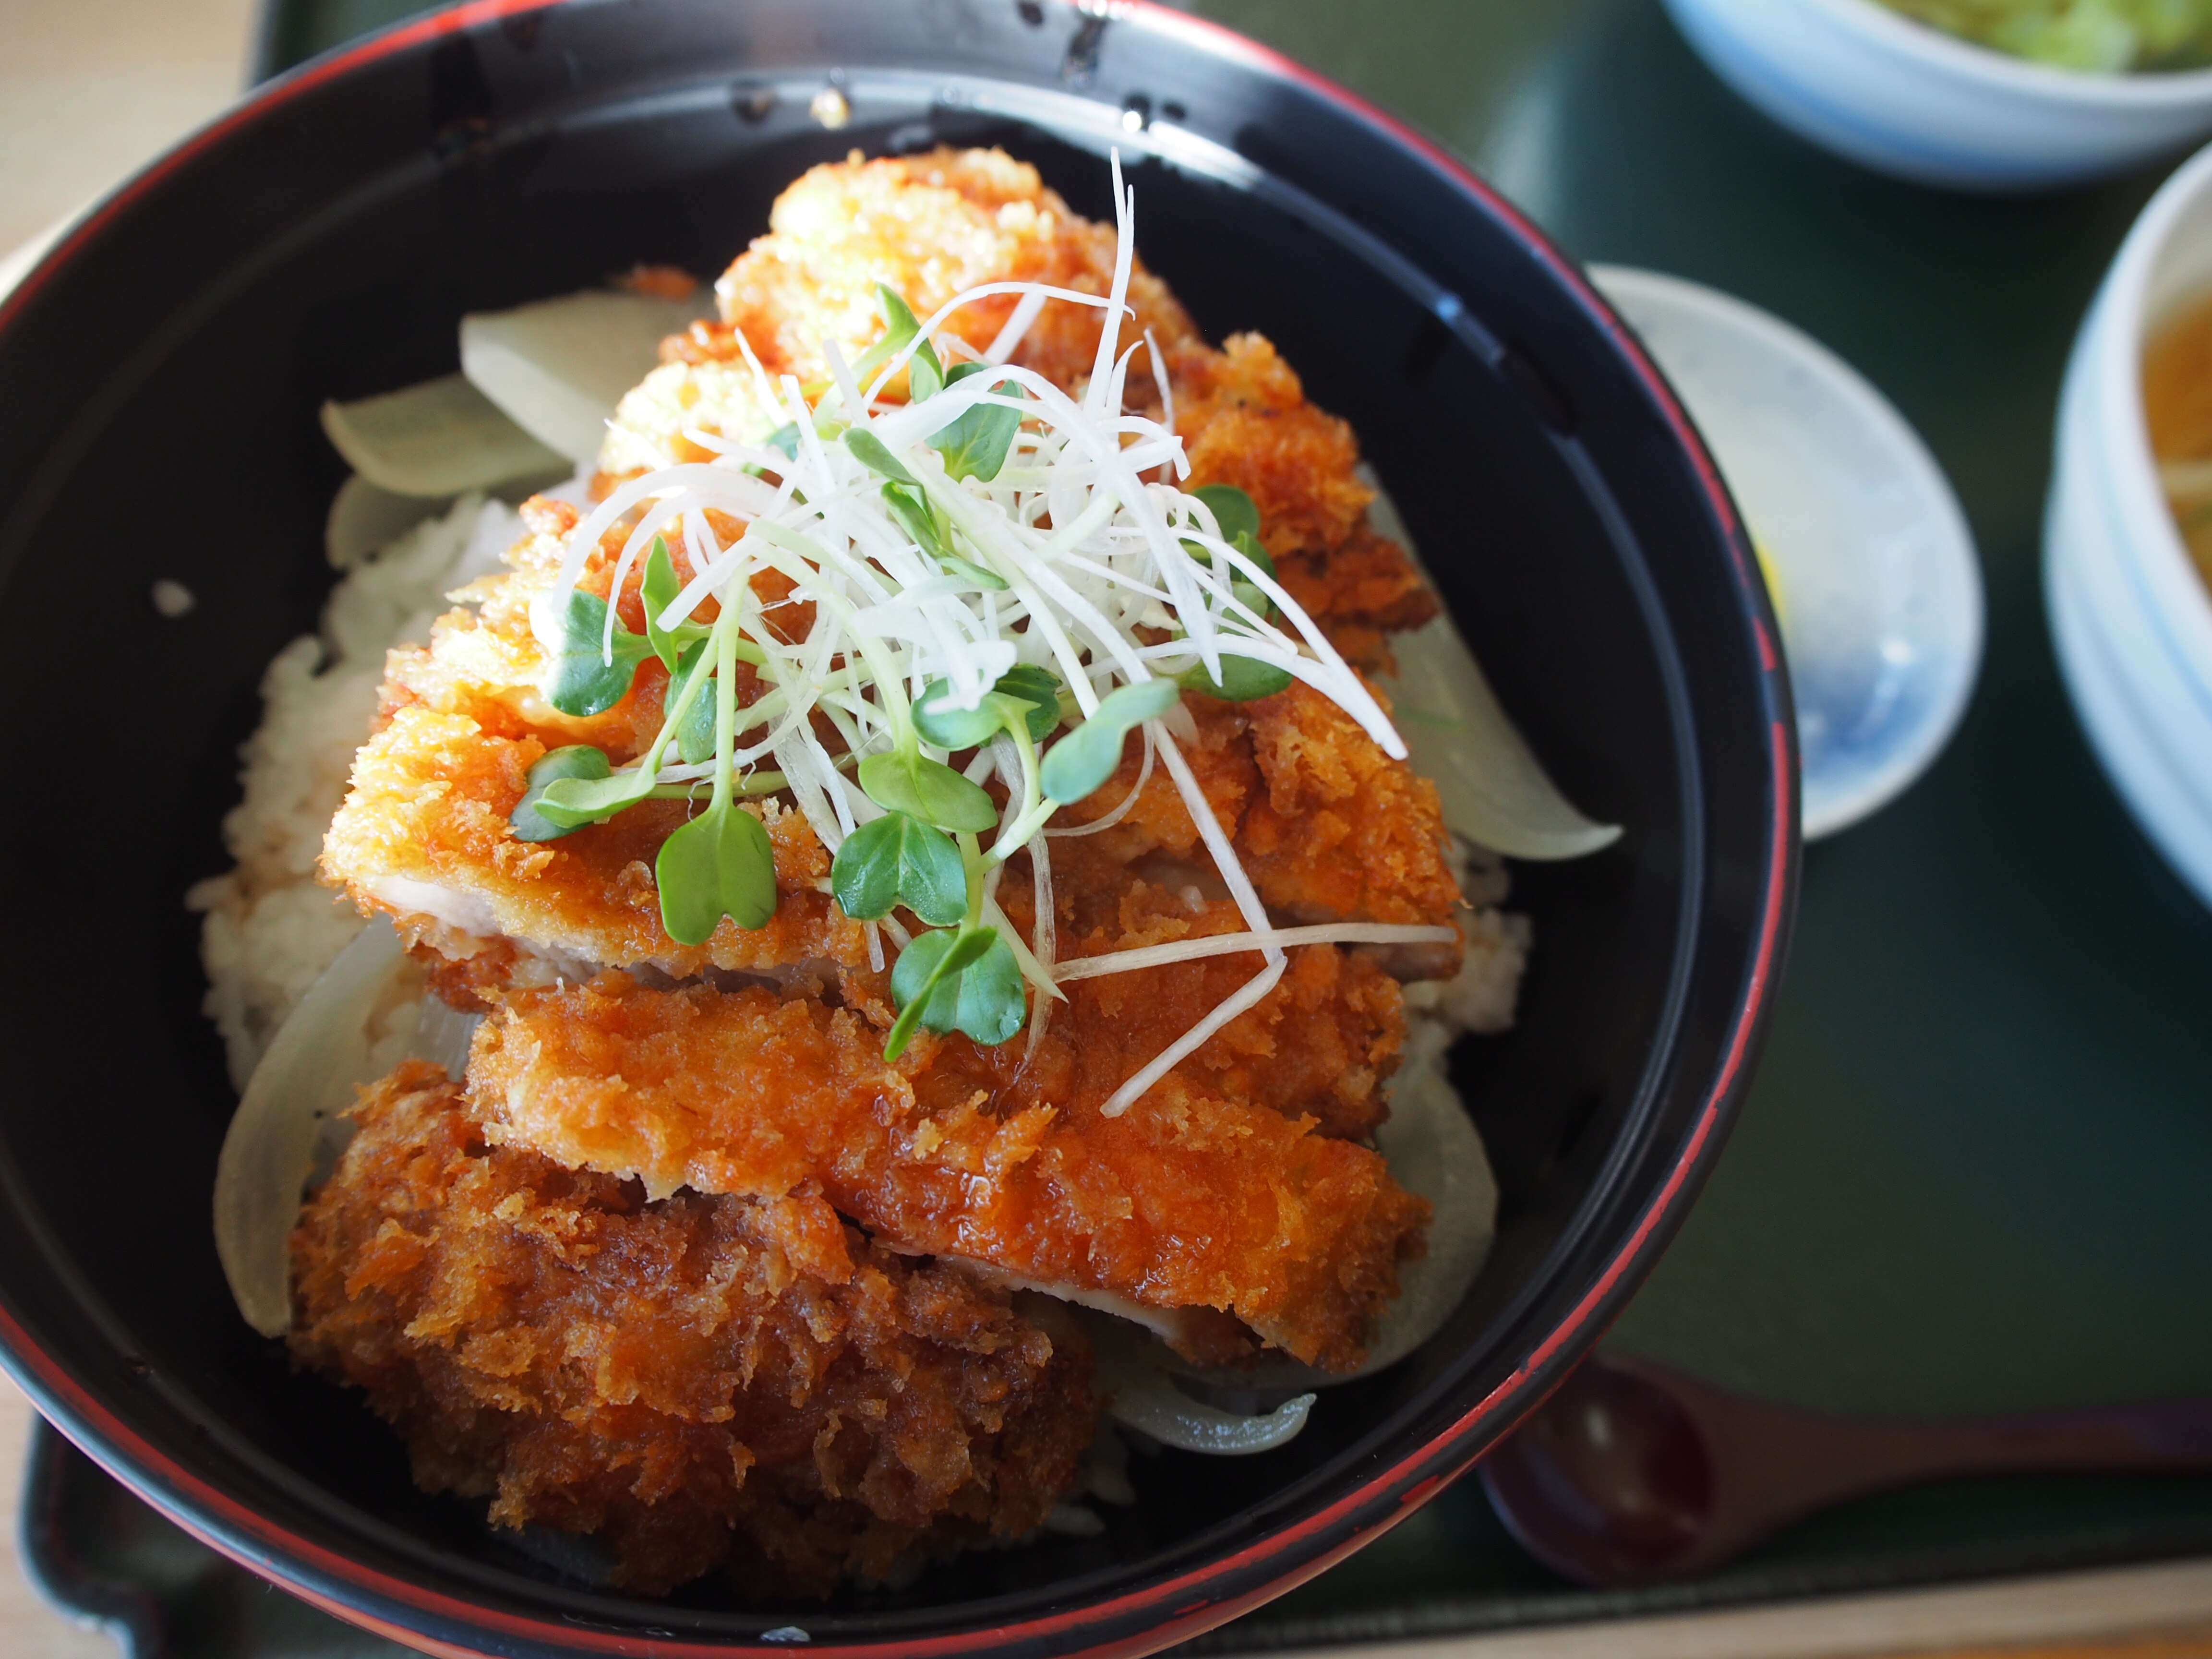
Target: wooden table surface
(90, 88)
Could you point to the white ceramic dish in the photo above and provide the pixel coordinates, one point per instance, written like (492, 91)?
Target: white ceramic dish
(2130, 617)
(1880, 595)
(1898, 97)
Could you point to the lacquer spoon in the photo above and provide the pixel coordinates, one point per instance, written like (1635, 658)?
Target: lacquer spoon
(1634, 1471)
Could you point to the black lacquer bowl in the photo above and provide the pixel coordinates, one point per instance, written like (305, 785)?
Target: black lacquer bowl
(159, 380)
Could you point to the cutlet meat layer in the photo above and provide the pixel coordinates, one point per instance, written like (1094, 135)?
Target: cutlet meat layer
(707, 1382)
(1186, 1201)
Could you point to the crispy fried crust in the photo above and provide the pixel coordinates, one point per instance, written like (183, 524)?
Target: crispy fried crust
(931, 226)
(1329, 826)
(1186, 1201)
(705, 1380)
(1320, 1045)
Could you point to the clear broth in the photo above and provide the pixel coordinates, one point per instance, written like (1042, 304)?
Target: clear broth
(2177, 405)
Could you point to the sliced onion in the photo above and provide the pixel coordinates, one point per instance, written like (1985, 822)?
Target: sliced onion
(436, 440)
(1145, 1398)
(307, 1076)
(289, 1120)
(1494, 790)
(363, 517)
(558, 368)
(1433, 1150)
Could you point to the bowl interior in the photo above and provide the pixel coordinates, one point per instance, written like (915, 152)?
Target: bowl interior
(164, 426)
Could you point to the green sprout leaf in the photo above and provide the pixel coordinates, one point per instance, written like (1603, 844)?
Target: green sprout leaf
(991, 1008)
(1040, 689)
(957, 728)
(659, 591)
(578, 679)
(785, 438)
(577, 801)
(899, 859)
(1086, 757)
(1233, 510)
(921, 525)
(1243, 679)
(870, 451)
(1023, 692)
(1239, 518)
(976, 445)
(973, 575)
(579, 761)
(925, 375)
(719, 864)
(695, 735)
(964, 981)
(928, 790)
(917, 521)
(1248, 544)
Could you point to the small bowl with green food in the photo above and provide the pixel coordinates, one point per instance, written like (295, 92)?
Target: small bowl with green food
(1991, 95)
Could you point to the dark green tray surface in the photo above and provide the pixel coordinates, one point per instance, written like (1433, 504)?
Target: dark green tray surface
(1973, 1174)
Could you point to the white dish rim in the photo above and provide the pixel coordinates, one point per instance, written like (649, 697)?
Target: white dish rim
(1792, 344)
(2113, 337)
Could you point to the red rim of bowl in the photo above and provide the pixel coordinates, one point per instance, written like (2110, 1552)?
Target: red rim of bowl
(1177, 1607)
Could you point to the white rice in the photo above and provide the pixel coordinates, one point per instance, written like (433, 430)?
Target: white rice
(270, 927)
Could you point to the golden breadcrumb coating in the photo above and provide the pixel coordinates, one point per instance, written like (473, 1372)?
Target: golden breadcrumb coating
(931, 226)
(704, 1381)
(1186, 1200)
(1343, 829)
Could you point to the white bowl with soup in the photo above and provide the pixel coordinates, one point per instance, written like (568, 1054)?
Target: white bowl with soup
(2131, 491)
(1902, 97)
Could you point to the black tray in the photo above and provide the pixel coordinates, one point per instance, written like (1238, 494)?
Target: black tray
(1971, 1176)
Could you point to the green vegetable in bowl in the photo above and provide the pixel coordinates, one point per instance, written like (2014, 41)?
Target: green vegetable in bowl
(2100, 36)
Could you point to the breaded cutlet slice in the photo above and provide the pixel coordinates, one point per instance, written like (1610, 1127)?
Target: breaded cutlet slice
(1188, 1200)
(1330, 827)
(424, 835)
(1323, 1044)
(702, 1381)
(929, 227)
(933, 225)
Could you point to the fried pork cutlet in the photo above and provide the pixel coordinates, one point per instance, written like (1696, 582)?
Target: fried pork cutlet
(705, 1382)
(1188, 1200)
(424, 834)
(1330, 827)
(933, 225)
